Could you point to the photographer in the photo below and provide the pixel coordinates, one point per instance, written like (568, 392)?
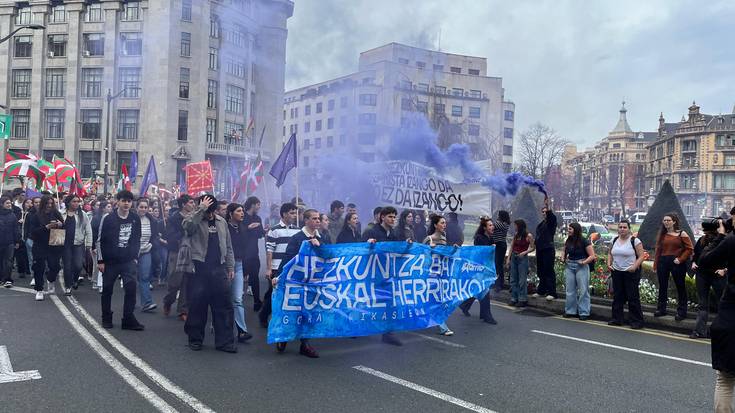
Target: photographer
(706, 277)
(720, 252)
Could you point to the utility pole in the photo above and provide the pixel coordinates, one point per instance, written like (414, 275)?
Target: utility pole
(110, 98)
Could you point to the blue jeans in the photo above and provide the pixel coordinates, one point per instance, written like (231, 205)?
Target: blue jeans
(29, 250)
(578, 288)
(144, 279)
(518, 278)
(237, 289)
(163, 252)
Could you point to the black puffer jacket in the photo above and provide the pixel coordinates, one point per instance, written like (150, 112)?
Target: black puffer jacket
(718, 254)
(9, 228)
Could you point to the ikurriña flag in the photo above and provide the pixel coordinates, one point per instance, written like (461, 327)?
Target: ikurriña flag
(286, 161)
(19, 164)
(199, 178)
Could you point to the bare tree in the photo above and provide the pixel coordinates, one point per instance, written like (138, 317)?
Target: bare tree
(539, 148)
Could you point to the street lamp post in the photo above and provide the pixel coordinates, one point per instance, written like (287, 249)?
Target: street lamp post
(110, 98)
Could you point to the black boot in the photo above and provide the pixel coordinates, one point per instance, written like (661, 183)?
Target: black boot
(131, 323)
(107, 320)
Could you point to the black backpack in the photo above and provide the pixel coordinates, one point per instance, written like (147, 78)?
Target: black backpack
(632, 243)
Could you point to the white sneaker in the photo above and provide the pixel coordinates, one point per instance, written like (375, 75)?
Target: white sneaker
(549, 298)
(33, 282)
(67, 292)
(447, 333)
(51, 288)
(250, 290)
(94, 285)
(39, 295)
(535, 295)
(8, 284)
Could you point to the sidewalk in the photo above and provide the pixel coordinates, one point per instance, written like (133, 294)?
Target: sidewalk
(602, 310)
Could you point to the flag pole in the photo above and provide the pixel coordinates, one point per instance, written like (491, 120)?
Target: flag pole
(296, 142)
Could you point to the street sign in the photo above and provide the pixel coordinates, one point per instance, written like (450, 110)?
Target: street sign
(6, 121)
(7, 375)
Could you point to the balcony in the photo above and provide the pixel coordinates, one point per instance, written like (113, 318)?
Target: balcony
(723, 167)
(688, 166)
(239, 151)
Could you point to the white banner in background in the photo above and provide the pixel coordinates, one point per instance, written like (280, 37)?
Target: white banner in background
(406, 184)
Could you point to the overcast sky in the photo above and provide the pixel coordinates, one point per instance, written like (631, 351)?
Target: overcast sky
(567, 64)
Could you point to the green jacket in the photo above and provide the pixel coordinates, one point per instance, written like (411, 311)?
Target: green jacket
(197, 229)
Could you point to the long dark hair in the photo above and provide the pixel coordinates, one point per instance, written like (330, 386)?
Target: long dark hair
(663, 231)
(504, 216)
(232, 208)
(434, 220)
(348, 217)
(403, 222)
(43, 216)
(576, 238)
(521, 231)
(483, 224)
(100, 209)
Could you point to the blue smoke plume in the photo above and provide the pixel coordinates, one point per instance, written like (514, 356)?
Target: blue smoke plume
(418, 142)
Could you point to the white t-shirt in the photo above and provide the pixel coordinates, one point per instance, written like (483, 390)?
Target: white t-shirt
(623, 254)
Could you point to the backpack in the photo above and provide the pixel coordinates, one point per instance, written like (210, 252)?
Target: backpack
(632, 243)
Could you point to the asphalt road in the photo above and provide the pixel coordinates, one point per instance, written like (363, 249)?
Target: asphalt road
(528, 362)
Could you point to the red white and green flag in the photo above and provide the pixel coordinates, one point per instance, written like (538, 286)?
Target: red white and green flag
(50, 183)
(65, 170)
(124, 182)
(255, 175)
(22, 165)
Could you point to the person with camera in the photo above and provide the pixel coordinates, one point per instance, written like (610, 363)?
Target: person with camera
(707, 277)
(720, 252)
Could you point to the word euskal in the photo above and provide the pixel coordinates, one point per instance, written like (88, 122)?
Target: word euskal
(350, 290)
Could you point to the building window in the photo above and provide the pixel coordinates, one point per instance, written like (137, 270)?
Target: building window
(367, 119)
(457, 91)
(21, 123)
(94, 44)
(456, 110)
(474, 72)
(186, 10)
(330, 123)
(57, 45)
(317, 143)
(23, 46)
(343, 102)
(343, 140)
(422, 106)
(235, 68)
(235, 99)
(421, 65)
(368, 99)
(508, 133)
(306, 161)
(50, 155)
(130, 81)
(454, 69)
(184, 83)
(319, 107)
(55, 123)
(127, 124)
(213, 58)
(689, 146)
(330, 105)
(92, 82)
(307, 144)
(214, 28)
(474, 112)
(307, 110)
(183, 124)
(88, 162)
(440, 90)
(91, 121)
(211, 130)
(366, 138)
(307, 127)
(402, 60)
(438, 68)
(55, 83)
(509, 115)
(131, 11)
(233, 129)
(131, 44)
(22, 83)
(185, 44)
(406, 104)
(724, 182)
(507, 150)
(688, 181)
(439, 109)
(93, 13)
(318, 125)
(212, 87)
(330, 141)
(23, 16)
(236, 35)
(475, 94)
(473, 130)
(423, 87)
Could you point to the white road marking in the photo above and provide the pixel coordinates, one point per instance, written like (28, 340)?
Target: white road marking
(438, 340)
(632, 350)
(149, 371)
(421, 389)
(7, 375)
(23, 289)
(117, 367)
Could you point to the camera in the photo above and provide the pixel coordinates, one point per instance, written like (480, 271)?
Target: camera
(710, 224)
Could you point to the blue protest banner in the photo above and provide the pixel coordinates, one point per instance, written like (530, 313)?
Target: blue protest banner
(349, 290)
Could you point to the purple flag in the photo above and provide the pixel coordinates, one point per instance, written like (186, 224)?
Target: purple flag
(150, 177)
(286, 161)
(133, 167)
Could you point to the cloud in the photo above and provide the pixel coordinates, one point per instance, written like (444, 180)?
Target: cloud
(567, 64)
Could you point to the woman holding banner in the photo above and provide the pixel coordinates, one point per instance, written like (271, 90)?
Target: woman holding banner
(405, 225)
(483, 236)
(350, 230)
(438, 236)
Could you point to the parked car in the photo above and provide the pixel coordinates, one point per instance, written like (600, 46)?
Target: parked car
(596, 233)
(608, 219)
(637, 218)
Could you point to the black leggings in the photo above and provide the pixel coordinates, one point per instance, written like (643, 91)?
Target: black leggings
(665, 267)
(500, 250)
(43, 257)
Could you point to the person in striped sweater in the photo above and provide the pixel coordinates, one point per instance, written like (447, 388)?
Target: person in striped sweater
(276, 242)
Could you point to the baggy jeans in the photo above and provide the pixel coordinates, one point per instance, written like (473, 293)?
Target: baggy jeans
(578, 289)
(518, 278)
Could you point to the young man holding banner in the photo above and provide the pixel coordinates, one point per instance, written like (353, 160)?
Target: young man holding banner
(275, 245)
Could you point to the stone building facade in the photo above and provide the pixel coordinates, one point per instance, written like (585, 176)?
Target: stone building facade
(189, 80)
